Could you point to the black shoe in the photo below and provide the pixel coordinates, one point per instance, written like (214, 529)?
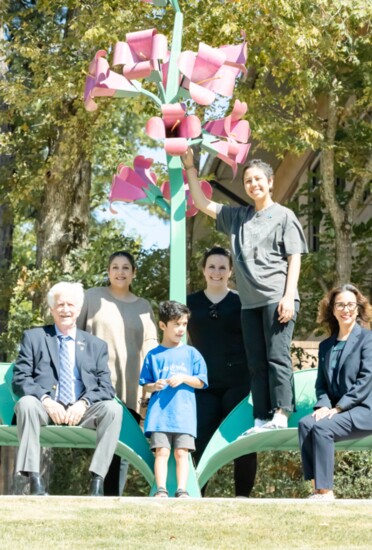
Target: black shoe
(96, 487)
(37, 487)
(20, 484)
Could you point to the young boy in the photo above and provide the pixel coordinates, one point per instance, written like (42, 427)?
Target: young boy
(170, 373)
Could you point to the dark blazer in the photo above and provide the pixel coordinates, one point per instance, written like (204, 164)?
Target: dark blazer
(354, 377)
(36, 370)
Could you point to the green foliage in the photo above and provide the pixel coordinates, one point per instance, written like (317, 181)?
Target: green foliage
(280, 476)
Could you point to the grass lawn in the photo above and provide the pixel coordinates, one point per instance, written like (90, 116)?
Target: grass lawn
(141, 523)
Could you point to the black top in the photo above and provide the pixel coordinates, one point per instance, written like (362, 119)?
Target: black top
(215, 330)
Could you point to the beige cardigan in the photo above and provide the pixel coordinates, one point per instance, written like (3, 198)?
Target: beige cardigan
(130, 332)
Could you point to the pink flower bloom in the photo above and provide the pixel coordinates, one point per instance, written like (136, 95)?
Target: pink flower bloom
(102, 82)
(231, 126)
(141, 53)
(136, 185)
(191, 209)
(231, 152)
(211, 71)
(235, 149)
(175, 127)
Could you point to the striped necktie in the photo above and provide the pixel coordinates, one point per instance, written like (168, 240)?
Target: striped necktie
(66, 386)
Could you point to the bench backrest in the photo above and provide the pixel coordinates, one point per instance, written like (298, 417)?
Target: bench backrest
(6, 399)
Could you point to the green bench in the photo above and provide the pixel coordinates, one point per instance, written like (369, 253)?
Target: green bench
(226, 445)
(132, 445)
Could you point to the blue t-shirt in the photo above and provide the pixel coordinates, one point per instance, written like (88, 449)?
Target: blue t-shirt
(172, 409)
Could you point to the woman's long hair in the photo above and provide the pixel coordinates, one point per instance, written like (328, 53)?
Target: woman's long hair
(326, 316)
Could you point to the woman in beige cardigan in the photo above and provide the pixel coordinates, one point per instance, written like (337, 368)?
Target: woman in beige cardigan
(126, 322)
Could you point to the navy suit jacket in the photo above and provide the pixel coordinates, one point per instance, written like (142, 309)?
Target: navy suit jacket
(354, 377)
(36, 371)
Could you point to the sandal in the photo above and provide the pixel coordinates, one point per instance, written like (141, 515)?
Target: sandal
(181, 493)
(161, 493)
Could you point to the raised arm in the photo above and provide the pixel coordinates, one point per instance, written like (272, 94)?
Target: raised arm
(207, 206)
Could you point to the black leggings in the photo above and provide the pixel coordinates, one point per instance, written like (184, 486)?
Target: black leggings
(213, 405)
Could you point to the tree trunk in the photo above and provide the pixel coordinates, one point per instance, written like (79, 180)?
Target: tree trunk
(340, 218)
(63, 217)
(6, 224)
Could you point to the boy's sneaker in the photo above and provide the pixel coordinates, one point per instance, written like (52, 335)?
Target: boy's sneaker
(181, 493)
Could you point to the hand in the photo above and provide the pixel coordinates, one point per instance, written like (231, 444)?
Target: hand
(323, 412)
(286, 309)
(55, 410)
(160, 384)
(176, 380)
(75, 413)
(188, 159)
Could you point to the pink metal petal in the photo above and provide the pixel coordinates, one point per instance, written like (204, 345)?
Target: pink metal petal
(138, 70)
(160, 47)
(155, 128)
(140, 44)
(142, 167)
(124, 190)
(122, 54)
(224, 81)
(236, 56)
(175, 146)
(190, 127)
(207, 62)
(173, 113)
(201, 95)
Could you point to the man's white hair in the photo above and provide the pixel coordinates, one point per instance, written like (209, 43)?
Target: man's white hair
(64, 287)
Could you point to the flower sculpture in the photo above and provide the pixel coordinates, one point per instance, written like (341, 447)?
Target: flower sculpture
(141, 53)
(102, 82)
(175, 127)
(137, 184)
(235, 149)
(180, 78)
(211, 71)
(191, 209)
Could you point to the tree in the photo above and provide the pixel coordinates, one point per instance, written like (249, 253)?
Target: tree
(57, 157)
(309, 86)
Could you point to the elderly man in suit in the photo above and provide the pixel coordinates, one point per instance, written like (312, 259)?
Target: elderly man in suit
(61, 376)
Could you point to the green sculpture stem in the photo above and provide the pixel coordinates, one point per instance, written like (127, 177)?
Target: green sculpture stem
(177, 288)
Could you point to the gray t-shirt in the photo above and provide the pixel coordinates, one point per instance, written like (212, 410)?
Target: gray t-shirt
(260, 244)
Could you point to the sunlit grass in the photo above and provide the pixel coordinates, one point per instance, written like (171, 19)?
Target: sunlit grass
(141, 523)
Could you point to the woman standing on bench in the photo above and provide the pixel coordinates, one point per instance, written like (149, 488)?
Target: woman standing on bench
(215, 330)
(266, 243)
(126, 322)
(343, 387)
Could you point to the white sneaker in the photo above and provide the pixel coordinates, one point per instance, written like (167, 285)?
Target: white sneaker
(279, 421)
(258, 423)
(322, 496)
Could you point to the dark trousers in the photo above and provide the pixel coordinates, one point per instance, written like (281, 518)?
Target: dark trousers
(115, 480)
(213, 405)
(267, 343)
(317, 444)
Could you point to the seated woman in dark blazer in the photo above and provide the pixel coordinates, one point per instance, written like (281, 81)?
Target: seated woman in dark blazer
(343, 387)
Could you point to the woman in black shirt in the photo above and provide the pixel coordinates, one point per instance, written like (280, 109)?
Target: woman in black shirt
(215, 330)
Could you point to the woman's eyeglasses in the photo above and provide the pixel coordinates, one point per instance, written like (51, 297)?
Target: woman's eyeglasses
(351, 306)
(213, 311)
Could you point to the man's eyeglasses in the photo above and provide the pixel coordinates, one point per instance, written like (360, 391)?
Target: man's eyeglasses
(351, 306)
(213, 311)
